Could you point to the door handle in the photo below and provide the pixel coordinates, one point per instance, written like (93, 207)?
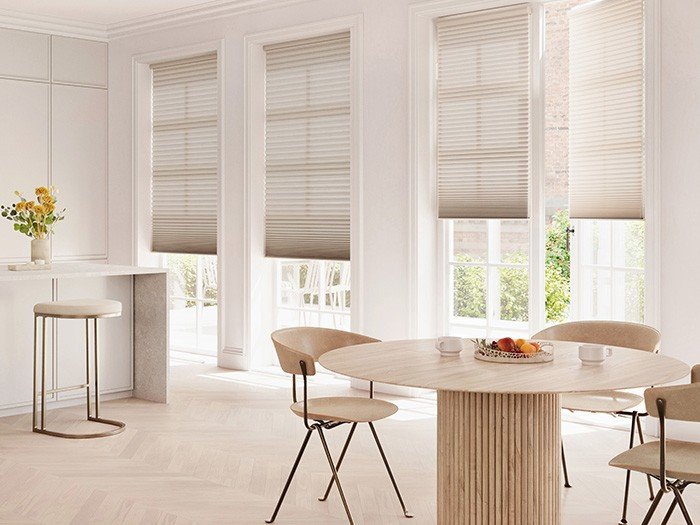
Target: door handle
(569, 232)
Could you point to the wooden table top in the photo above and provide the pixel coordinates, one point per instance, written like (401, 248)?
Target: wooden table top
(416, 363)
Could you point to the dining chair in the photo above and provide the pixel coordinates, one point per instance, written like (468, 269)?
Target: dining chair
(298, 350)
(615, 402)
(664, 459)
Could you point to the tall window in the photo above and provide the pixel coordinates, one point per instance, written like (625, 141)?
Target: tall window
(308, 179)
(594, 165)
(185, 194)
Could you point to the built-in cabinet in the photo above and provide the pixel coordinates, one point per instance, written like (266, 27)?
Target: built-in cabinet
(53, 131)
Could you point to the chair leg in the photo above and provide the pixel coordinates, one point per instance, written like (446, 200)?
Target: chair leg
(335, 474)
(669, 513)
(388, 469)
(641, 440)
(628, 474)
(653, 506)
(291, 475)
(678, 493)
(563, 464)
(340, 461)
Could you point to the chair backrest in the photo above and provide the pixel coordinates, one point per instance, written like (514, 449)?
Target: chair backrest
(682, 402)
(613, 333)
(307, 344)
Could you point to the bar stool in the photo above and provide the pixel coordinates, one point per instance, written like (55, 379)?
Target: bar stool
(73, 309)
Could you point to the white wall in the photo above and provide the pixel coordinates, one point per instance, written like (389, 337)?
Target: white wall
(680, 184)
(384, 297)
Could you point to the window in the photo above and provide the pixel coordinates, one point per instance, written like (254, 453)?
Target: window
(488, 277)
(193, 303)
(185, 194)
(313, 293)
(593, 267)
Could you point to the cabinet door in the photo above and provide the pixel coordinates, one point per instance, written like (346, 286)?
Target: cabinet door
(114, 336)
(17, 300)
(78, 61)
(24, 54)
(79, 171)
(24, 153)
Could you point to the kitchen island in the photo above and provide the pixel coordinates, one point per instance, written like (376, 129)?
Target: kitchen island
(134, 347)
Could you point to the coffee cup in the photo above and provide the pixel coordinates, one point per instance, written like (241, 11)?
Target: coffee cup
(449, 345)
(590, 354)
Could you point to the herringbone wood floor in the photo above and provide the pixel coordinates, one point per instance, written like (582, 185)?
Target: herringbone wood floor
(221, 450)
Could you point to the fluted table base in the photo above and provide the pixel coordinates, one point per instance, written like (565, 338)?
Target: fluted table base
(498, 458)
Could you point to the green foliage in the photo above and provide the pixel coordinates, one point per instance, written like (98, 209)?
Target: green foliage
(557, 269)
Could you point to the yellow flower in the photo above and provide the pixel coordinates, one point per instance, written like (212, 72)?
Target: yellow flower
(30, 205)
(20, 206)
(42, 190)
(49, 207)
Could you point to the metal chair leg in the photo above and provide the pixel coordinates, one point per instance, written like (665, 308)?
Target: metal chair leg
(669, 513)
(678, 493)
(623, 520)
(563, 464)
(641, 441)
(340, 461)
(653, 506)
(291, 475)
(388, 469)
(335, 474)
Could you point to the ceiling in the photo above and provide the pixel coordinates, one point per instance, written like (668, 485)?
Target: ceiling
(100, 12)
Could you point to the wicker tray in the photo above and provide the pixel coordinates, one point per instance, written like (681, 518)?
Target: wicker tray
(485, 353)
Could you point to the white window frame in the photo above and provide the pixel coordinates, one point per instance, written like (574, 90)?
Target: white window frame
(429, 277)
(259, 271)
(141, 166)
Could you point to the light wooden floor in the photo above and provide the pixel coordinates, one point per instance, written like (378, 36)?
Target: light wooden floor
(221, 450)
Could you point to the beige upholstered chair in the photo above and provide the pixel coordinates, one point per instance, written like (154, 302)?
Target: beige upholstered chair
(664, 459)
(298, 349)
(612, 333)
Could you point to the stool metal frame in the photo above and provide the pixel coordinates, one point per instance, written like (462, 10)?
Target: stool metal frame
(41, 426)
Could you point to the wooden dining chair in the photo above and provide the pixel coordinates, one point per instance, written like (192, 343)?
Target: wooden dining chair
(664, 459)
(298, 350)
(611, 333)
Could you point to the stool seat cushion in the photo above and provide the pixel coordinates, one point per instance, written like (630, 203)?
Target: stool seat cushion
(79, 308)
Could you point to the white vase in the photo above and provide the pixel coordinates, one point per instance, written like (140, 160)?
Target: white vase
(41, 250)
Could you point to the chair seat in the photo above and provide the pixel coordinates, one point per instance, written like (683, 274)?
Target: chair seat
(347, 409)
(682, 459)
(608, 401)
(79, 308)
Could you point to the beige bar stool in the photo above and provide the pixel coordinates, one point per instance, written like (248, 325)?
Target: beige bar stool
(73, 309)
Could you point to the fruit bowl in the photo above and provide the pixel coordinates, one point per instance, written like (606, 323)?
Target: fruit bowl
(508, 350)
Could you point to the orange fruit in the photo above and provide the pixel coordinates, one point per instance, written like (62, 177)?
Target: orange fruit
(528, 348)
(520, 342)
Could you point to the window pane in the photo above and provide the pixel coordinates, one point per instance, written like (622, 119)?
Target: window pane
(209, 281)
(183, 324)
(596, 242)
(183, 275)
(469, 293)
(515, 241)
(596, 295)
(629, 244)
(514, 294)
(634, 297)
(338, 285)
(208, 336)
(470, 240)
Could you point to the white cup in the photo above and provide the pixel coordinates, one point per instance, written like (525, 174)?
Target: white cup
(593, 354)
(449, 345)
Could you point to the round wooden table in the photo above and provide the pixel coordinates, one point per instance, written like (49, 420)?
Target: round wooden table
(498, 428)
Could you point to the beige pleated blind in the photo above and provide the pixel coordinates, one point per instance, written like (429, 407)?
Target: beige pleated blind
(606, 110)
(483, 114)
(185, 155)
(307, 148)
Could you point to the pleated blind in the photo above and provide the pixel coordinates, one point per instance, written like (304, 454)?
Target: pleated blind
(606, 110)
(307, 148)
(185, 155)
(483, 114)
